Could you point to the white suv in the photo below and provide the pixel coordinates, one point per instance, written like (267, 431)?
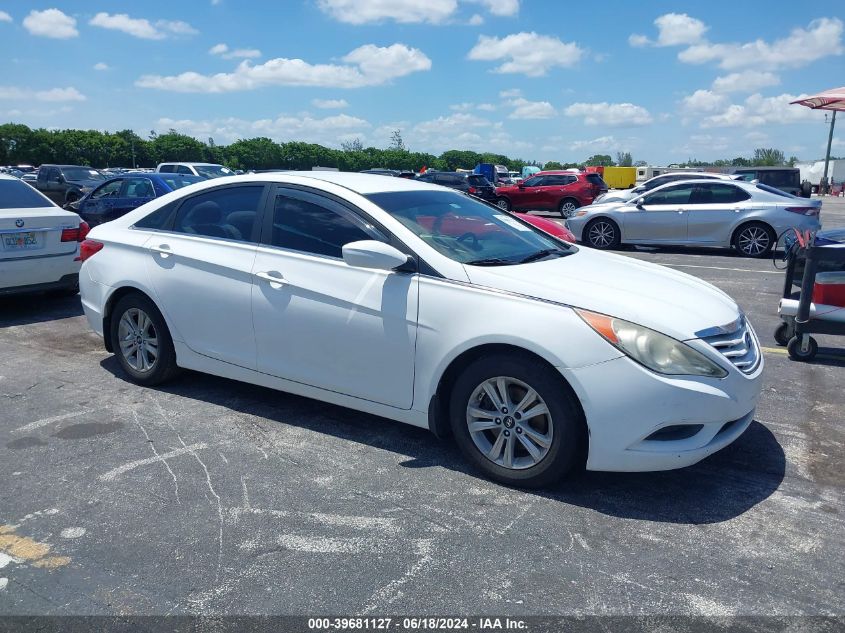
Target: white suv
(204, 170)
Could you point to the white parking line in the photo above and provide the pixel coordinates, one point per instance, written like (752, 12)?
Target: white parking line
(51, 420)
(738, 270)
(109, 476)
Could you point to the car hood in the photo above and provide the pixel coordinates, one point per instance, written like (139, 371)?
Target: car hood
(86, 183)
(657, 297)
(619, 196)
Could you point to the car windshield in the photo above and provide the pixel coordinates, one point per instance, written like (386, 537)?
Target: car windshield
(466, 230)
(81, 173)
(213, 171)
(177, 181)
(16, 194)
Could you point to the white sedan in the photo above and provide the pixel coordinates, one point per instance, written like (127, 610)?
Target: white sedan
(39, 242)
(399, 298)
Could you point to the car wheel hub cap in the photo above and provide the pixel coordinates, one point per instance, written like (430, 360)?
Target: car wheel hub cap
(753, 241)
(138, 340)
(601, 234)
(509, 423)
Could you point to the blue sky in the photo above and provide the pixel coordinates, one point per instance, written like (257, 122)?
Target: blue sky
(536, 79)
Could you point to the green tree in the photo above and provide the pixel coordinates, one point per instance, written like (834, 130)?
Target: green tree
(396, 141)
(623, 159)
(768, 157)
(600, 160)
(553, 164)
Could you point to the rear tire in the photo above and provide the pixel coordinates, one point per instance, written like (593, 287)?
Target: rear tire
(783, 334)
(530, 438)
(141, 341)
(503, 203)
(754, 239)
(567, 207)
(602, 234)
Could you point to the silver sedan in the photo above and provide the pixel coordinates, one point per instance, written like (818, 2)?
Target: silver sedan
(749, 217)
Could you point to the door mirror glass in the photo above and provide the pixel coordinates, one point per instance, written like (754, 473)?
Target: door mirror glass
(373, 254)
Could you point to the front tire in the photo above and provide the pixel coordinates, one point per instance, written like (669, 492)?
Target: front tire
(754, 239)
(514, 421)
(602, 234)
(141, 341)
(795, 352)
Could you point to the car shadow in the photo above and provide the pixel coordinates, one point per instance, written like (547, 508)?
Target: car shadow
(720, 488)
(26, 309)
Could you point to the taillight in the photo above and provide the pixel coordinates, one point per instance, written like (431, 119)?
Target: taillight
(76, 235)
(89, 248)
(811, 211)
(472, 189)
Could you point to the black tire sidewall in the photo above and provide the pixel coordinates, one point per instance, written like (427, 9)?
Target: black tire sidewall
(566, 417)
(166, 361)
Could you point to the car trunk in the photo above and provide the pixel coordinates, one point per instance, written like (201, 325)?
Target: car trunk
(36, 232)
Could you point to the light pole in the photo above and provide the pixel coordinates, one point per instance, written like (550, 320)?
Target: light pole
(827, 156)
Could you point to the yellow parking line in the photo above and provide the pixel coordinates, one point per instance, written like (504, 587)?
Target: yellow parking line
(775, 350)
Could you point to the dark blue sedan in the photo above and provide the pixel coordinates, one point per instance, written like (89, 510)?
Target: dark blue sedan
(126, 192)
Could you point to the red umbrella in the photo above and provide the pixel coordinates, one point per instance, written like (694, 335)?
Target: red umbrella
(833, 99)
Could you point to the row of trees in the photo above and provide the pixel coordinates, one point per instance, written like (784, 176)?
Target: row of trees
(21, 145)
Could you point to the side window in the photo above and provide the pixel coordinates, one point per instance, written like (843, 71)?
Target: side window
(308, 223)
(108, 189)
(158, 219)
(536, 181)
(167, 169)
(184, 169)
(137, 188)
(677, 194)
(53, 174)
(229, 213)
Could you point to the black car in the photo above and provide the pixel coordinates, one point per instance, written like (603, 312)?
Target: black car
(67, 183)
(473, 184)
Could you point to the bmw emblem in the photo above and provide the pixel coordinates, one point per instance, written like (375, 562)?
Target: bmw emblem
(19, 223)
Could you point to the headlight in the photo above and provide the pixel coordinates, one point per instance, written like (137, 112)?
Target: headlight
(658, 352)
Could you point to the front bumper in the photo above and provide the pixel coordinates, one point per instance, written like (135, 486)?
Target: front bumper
(626, 404)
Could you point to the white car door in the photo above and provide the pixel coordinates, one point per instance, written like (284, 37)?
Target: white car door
(321, 322)
(201, 271)
(660, 217)
(714, 211)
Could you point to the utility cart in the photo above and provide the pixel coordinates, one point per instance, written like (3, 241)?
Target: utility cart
(820, 306)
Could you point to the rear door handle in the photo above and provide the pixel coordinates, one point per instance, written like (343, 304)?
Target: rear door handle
(162, 249)
(276, 279)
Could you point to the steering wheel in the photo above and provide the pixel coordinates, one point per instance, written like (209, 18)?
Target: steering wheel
(469, 235)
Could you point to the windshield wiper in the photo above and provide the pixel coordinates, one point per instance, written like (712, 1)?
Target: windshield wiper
(491, 261)
(543, 253)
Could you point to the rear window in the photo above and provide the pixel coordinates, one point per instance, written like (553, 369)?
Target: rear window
(777, 192)
(477, 180)
(16, 194)
(596, 180)
(177, 181)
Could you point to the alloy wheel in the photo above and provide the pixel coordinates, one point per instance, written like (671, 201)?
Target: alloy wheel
(509, 423)
(601, 234)
(753, 241)
(502, 204)
(138, 340)
(567, 209)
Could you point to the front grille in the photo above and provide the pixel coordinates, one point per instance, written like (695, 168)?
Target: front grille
(736, 343)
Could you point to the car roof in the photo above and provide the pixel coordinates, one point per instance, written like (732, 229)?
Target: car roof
(182, 162)
(363, 184)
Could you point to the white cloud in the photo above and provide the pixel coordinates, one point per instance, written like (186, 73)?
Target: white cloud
(367, 65)
(703, 101)
(141, 27)
(673, 29)
(5, 17)
(404, 11)
(464, 131)
(53, 95)
(610, 114)
(476, 20)
(758, 110)
(525, 109)
(329, 104)
(101, 66)
(527, 53)
(513, 92)
(51, 23)
(596, 144)
(822, 38)
(239, 53)
(746, 81)
(327, 130)
(471, 107)
(501, 7)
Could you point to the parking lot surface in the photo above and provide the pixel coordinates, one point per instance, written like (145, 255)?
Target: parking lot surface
(207, 496)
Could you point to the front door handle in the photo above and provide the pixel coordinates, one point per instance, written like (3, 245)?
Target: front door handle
(276, 279)
(681, 210)
(162, 249)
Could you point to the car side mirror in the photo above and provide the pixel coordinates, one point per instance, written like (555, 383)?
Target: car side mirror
(374, 254)
(521, 185)
(60, 179)
(638, 203)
